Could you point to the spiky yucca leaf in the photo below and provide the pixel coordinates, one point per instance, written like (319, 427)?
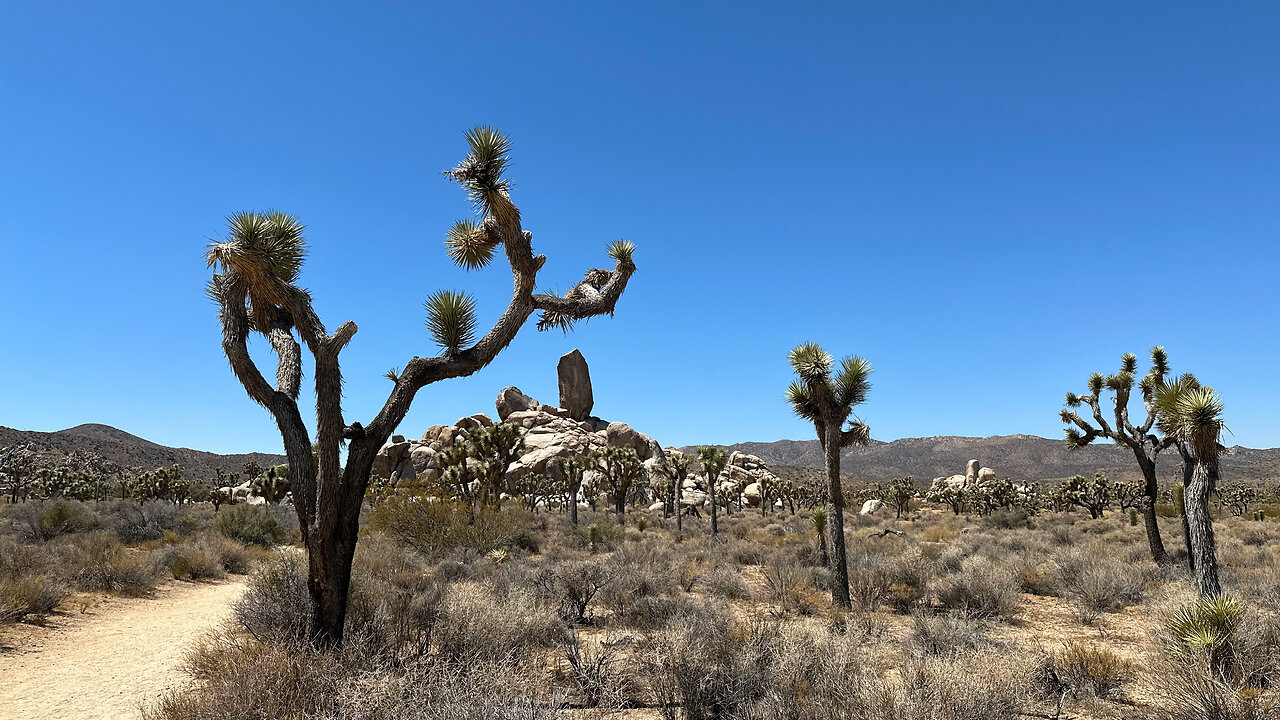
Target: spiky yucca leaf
(1159, 361)
(1190, 411)
(1074, 439)
(1072, 400)
(858, 434)
(621, 252)
(1205, 628)
(801, 401)
(852, 382)
(451, 318)
(1129, 363)
(393, 375)
(810, 362)
(469, 245)
(712, 458)
(480, 172)
(1122, 380)
(1096, 382)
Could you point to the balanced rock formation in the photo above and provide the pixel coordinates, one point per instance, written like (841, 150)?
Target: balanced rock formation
(974, 477)
(575, 385)
(549, 433)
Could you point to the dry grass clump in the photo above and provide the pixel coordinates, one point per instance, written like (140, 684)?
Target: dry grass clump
(239, 679)
(982, 589)
(1091, 671)
(947, 636)
(33, 597)
(98, 562)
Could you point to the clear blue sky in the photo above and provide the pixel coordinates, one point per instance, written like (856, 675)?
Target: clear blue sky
(987, 200)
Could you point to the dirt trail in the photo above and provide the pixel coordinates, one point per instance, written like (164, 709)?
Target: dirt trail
(110, 661)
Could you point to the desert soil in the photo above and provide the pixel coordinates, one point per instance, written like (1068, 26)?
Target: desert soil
(110, 659)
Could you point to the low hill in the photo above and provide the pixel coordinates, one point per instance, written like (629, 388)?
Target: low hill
(1021, 457)
(132, 451)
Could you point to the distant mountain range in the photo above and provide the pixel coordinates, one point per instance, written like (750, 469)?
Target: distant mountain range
(132, 451)
(1021, 457)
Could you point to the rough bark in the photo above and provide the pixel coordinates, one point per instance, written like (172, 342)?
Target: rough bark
(712, 481)
(835, 517)
(1200, 527)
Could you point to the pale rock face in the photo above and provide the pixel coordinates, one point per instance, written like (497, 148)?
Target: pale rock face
(986, 475)
(971, 473)
(656, 506)
(575, 385)
(510, 400)
(871, 507)
(422, 457)
(751, 494)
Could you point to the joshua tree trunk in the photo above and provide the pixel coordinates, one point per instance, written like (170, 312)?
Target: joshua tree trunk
(620, 507)
(715, 525)
(679, 511)
(835, 517)
(573, 502)
(1188, 471)
(1150, 491)
(1200, 523)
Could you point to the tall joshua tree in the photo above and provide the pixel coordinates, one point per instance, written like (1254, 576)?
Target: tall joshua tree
(1144, 445)
(827, 401)
(620, 468)
(1192, 416)
(713, 461)
(256, 288)
(573, 466)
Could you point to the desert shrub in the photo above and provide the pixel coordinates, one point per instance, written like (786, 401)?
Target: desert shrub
(908, 580)
(987, 686)
(1099, 582)
(596, 672)
(574, 585)
(29, 596)
(727, 583)
(99, 562)
(1036, 575)
(241, 679)
(945, 635)
(1007, 519)
(709, 667)
(652, 612)
(981, 589)
(274, 607)
(477, 627)
(745, 552)
(599, 536)
(42, 521)
(688, 574)
(782, 577)
(189, 561)
(1062, 536)
(435, 528)
(1092, 671)
(250, 524)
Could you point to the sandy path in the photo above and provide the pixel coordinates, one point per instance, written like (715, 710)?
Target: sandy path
(108, 662)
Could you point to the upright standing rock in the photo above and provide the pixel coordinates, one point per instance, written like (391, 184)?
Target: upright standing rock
(575, 385)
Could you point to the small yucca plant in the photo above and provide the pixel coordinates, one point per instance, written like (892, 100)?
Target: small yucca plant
(1204, 630)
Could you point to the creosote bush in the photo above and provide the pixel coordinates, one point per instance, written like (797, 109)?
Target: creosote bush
(250, 524)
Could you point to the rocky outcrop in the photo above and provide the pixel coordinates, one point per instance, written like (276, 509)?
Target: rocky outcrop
(512, 400)
(871, 507)
(575, 385)
(974, 477)
(549, 433)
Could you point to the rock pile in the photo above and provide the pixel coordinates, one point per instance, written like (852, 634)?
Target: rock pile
(973, 478)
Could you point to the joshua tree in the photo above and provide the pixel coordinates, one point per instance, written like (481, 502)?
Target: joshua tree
(952, 496)
(619, 468)
(257, 291)
(1093, 495)
(18, 466)
(492, 450)
(675, 468)
(897, 494)
(573, 466)
(1237, 497)
(271, 484)
(1192, 416)
(1144, 445)
(828, 402)
(713, 460)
